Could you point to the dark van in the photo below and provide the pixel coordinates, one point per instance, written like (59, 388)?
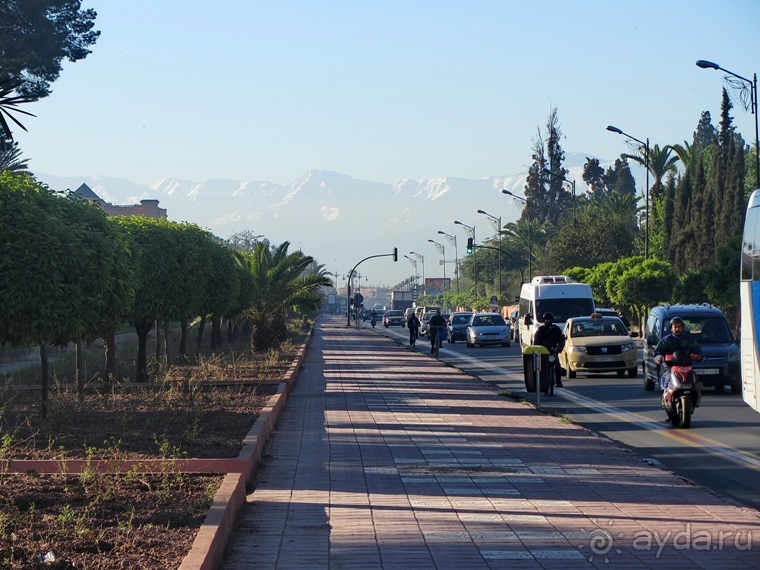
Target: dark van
(720, 365)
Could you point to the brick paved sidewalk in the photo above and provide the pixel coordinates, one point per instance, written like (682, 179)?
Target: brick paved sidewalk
(386, 458)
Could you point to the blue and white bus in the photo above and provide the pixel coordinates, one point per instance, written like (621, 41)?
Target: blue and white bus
(750, 303)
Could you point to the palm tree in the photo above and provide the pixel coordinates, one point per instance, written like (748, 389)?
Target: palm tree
(660, 164)
(9, 104)
(280, 283)
(10, 156)
(528, 237)
(687, 153)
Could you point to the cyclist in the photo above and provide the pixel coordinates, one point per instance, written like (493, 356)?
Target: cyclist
(550, 336)
(436, 322)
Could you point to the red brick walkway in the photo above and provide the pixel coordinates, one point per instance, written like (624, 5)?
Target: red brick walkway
(385, 458)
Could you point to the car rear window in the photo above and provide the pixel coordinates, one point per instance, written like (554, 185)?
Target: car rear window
(488, 321)
(598, 327)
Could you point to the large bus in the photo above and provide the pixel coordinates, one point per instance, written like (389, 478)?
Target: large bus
(555, 294)
(749, 292)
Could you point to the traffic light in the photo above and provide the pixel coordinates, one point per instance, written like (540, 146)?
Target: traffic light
(395, 254)
(469, 245)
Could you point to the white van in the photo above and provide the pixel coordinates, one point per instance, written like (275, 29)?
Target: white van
(555, 294)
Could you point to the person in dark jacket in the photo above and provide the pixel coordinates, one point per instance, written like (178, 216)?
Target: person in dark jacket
(550, 336)
(678, 339)
(413, 323)
(436, 322)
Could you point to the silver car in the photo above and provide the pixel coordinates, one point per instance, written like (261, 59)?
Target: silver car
(488, 328)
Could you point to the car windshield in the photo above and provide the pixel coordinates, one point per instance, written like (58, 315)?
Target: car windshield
(488, 321)
(563, 309)
(598, 327)
(394, 314)
(460, 319)
(707, 330)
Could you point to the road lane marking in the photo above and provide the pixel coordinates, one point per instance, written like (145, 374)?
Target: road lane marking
(688, 438)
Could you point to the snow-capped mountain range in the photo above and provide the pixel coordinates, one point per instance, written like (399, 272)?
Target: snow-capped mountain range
(337, 219)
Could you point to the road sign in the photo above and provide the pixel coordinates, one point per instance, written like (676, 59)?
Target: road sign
(494, 300)
(358, 299)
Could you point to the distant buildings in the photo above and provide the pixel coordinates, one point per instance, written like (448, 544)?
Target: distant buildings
(147, 208)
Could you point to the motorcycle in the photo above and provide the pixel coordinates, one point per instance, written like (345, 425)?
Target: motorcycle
(373, 322)
(683, 392)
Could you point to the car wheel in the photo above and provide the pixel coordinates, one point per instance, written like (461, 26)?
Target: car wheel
(570, 372)
(633, 372)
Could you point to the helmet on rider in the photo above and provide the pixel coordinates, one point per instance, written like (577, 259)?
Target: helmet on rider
(676, 321)
(547, 317)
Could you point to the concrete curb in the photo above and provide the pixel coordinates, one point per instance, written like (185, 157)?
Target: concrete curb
(208, 547)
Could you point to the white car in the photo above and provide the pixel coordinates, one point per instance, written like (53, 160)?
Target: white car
(488, 328)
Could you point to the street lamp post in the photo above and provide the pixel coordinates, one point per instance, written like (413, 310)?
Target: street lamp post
(424, 281)
(470, 231)
(752, 101)
(442, 249)
(453, 240)
(416, 275)
(497, 222)
(571, 182)
(530, 232)
(646, 191)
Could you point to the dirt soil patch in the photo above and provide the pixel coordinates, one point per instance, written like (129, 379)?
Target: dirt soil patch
(125, 520)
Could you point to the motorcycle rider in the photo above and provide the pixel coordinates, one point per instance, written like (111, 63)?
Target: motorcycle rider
(678, 339)
(436, 322)
(550, 336)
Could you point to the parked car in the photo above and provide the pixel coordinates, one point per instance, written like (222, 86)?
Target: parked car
(598, 344)
(721, 362)
(487, 328)
(457, 326)
(394, 319)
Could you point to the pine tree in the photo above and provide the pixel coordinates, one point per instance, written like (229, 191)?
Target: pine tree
(705, 134)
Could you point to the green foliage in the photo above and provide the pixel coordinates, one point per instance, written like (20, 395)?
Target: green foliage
(37, 36)
(66, 271)
(598, 234)
(279, 285)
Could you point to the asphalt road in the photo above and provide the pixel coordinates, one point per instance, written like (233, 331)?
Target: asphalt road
(721, 449)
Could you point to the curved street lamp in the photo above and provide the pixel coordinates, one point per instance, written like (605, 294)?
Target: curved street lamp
(442, 249)
(422, 259)
(416, 275)
(453, 240)
(530, 232)
(752, 102)
(497, 222)
(646, 191)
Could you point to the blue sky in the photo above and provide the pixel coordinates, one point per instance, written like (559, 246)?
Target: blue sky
(267, 90)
